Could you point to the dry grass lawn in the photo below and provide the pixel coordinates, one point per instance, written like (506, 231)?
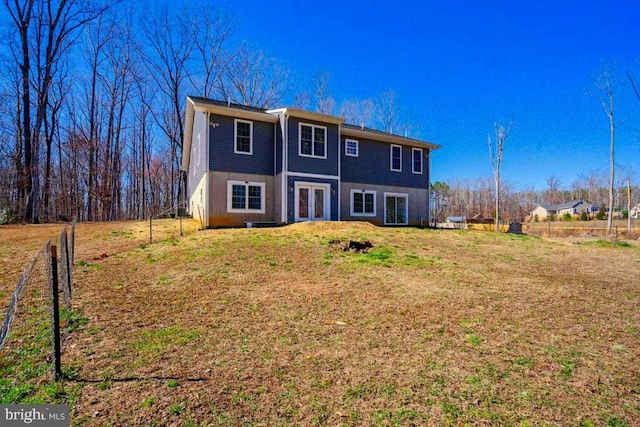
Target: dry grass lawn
(278, 327)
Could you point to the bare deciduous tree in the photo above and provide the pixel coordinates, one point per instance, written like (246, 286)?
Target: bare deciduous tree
(170, 49)
(323, 101)
(496, 149)
(359, 113)
(254, 79)
(210, 31)
(605, 94)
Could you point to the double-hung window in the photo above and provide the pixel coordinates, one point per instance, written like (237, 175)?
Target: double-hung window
(245, 197)
(363, 203)
(243, 137)
(417, 160)
(351, 147)
(396, 158)
(312, 141)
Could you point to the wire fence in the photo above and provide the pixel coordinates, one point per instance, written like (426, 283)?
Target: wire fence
(34, 304)
(551, 230)
(178, 211)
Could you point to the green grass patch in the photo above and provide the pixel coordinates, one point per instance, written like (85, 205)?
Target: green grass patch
(152, 343)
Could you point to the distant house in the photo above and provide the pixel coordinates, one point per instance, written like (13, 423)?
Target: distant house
(544, 211)
(456, 219)
(480, 219)
(635, 211)
(575, 207)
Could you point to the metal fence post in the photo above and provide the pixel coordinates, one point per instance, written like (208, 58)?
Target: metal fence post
(55, 315)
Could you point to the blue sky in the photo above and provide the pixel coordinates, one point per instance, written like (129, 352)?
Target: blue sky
(459, 66)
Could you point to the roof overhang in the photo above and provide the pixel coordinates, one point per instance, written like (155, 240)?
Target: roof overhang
(308, 115)
(390, 138)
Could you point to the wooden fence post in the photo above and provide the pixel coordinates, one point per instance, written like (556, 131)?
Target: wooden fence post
(55, 315)
(150, 229)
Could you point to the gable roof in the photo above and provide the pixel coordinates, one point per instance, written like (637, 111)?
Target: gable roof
(572, 204)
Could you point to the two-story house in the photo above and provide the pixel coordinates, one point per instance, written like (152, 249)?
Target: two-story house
(287, 165)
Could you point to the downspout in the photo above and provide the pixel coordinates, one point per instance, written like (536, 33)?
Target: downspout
(275, 162)
(206, 169)
(428, 187)
(285, 166)
(339, 170)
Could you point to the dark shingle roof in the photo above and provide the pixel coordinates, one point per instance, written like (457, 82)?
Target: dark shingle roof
(377, 132)
(201, 100)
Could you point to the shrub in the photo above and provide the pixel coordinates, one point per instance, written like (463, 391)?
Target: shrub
(625, 214)
(551, 217)
(566, 216)
(601, 214)
(8, 216)
(536, 218)
(584, 216)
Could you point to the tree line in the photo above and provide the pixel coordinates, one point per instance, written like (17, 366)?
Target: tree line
(470, 197)
(93, 100)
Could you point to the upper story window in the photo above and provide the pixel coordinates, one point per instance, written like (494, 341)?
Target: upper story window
(351, 147)
(243, 133)
(417, 160)
(396, 158)
(313, 141)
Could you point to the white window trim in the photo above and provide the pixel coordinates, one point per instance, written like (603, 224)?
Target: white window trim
(363, 192)
(235, 136)
(346, 144)
(262, 186)
(413, 160)
(405, 195)
(313, 140)
(391, 157)
(326, 202)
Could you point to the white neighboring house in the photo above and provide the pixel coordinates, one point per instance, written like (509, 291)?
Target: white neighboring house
(543, 211)
(575, 207)
(635, 211)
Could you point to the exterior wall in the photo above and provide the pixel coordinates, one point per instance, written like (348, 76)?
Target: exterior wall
(198, 165)
(333, 196)
(541, 212)
(373, 165)
(222, 145)
(218, 215)
(297, 163)
(277, 199)
(198, 199)
(577, 210)
(418, 199)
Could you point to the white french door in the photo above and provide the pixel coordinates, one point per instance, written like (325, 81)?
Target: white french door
(312, 202)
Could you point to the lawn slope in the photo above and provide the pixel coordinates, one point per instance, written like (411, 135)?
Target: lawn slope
(279, 327)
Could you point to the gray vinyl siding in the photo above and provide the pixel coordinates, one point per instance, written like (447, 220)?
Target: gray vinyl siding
(222, 157)
(333, 197)
(297, 163)
(197, 165)
(373, 165)
(279, 137)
